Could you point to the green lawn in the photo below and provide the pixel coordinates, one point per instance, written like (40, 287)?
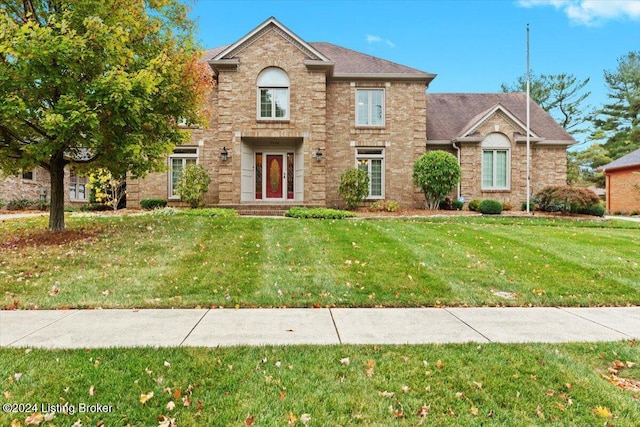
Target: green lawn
(470, 385)
(198, 260)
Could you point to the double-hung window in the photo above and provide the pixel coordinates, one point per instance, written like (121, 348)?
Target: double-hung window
(29, 175)
(77, 187)
(371, 160)
(273, 94)
(496, 153)
(178, 161)
(370, 107)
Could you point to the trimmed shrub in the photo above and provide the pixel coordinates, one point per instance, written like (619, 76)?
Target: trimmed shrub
(451, 205)
(95, 207)
(566, 199)
(25, 204)
(474, 205)
(436, 173)
(354, 187)
(384, 206)
(593, 210)
(507, 206)
(457, 205)
(318, 213)
(490, 207)
(532, 206)
(150, 204)
(193, 184)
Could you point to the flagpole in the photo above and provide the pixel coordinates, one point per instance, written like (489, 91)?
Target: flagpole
(528, 127)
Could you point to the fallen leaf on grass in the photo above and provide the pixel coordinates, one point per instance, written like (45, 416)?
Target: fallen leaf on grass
(305, 418)
(386, 393)
(167, 422)
(370, 368)
(16, 423)
(602, 412)
(171, 405)
(345, 361)
(539, 412)
(92, 391)
(249, 420)
(144, 398)
(34, 419)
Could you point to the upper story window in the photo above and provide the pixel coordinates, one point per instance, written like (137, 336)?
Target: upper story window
(496, 159)
(273, 94)
(370, 107)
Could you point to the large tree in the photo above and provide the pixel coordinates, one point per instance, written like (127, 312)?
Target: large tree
(95, 84)
(618, 122)
(561, 95)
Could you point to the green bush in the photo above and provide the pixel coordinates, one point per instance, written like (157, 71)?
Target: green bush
(490, 207)
(532, 206)
(24, 204)
(566, 199)
(436, 173)
(384, 206)
(319, 213)
(150, 204)
(95, 207)
(593, 210)
(457, 205)
(474, 205)
(193, 184)
(354, 187)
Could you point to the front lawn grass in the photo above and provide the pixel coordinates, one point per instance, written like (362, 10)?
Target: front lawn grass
(201, 260)
(435, 385)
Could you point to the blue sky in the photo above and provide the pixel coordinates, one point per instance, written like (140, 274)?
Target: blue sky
(473, 46)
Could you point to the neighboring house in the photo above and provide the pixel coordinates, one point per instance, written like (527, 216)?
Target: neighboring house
(289, 117)
(36, 185)
(623, 184)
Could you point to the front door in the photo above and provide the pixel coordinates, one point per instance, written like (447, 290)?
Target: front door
(275, 176)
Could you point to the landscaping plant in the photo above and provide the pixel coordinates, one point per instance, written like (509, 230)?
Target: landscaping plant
(354, 187)
(569, 200)
(490, 207)
(193, 185)
(436, 173)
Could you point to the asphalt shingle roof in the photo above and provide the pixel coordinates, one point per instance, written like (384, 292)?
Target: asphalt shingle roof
(450, 114)
(631, 159)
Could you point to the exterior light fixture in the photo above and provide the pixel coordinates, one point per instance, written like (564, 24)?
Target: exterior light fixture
(319, 155)
(224, 154)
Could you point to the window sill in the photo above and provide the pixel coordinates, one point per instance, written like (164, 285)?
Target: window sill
(264, 120)
(496, 190)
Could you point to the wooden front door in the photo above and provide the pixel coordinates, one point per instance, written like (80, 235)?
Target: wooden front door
(275, 176)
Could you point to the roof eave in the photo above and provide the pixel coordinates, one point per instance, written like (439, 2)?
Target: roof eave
(426, 78)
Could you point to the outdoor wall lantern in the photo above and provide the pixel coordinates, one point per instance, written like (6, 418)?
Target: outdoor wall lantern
(224, 154)
(319, 155)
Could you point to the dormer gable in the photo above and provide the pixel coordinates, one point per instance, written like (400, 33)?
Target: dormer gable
(470, 129)
(228, 58)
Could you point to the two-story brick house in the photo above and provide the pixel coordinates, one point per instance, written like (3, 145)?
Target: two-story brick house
(289, 117)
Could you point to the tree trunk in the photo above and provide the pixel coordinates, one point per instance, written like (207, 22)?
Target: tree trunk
(56, 211)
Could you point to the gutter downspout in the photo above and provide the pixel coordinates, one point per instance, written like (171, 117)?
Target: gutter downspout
(459, 181)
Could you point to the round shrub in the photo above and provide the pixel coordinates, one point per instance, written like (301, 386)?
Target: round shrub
(507, 206)
(436, 173)
(150, 204)
(193, 184)
(532, 206)
(490, 207)
(354, 187)
(474, 205)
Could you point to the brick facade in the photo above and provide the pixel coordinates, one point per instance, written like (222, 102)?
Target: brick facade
(623, 190)
(15, 187)
(322, 116)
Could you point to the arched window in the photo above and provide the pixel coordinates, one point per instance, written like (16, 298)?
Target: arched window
(273, 94)
(496, 162)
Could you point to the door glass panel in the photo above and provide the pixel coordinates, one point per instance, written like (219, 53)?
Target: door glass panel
(258, 176)
(290, 176)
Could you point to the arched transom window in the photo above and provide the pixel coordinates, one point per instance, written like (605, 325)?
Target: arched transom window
(496, 162)
(273, 94)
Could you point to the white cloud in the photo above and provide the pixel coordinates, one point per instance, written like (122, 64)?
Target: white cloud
(591, 12)
(371, 39)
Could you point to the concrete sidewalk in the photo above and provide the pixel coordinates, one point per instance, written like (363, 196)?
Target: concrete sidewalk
(229, 327)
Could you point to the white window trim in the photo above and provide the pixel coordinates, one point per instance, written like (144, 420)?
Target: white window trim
(494, 178)
(362, 153)
(77, 185)
(272, 86)
(190, 153)
(384, 108)
(33, 176)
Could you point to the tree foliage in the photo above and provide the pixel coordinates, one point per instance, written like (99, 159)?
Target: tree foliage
(193, 185)
(436, 173)
(107, 188)
(95, 84)
(561, 95)
(354, 187)
(618, 122)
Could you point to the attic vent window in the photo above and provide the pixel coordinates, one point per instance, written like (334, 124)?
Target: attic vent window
(273, 94)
